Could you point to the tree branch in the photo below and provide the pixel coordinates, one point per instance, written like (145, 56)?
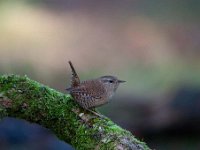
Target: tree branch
(23, 98)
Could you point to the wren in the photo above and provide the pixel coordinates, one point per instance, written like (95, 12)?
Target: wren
(92, 93)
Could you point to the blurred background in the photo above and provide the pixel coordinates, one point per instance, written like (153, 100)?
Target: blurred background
(153, 45)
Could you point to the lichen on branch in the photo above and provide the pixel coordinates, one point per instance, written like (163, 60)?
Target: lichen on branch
(23, 98)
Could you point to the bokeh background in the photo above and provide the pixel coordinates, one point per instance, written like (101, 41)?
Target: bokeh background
(153, 45)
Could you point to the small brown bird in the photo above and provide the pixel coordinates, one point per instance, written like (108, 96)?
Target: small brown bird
(92, 93)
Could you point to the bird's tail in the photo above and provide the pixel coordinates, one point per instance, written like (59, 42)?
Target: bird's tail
(75, 81)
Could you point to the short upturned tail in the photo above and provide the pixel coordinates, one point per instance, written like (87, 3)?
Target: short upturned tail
(75, 81)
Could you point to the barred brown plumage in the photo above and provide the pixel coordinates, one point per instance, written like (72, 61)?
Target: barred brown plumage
(92, 93)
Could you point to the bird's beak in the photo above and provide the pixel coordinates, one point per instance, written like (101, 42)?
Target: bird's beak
(121, 81)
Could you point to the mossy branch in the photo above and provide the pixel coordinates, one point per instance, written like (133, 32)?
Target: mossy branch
(21, 97)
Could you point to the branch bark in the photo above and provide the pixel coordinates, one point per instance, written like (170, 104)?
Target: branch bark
(23, 98)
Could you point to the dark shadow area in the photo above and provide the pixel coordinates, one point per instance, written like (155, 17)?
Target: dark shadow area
(19, 134)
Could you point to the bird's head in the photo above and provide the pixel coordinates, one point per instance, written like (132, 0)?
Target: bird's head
(110, 83)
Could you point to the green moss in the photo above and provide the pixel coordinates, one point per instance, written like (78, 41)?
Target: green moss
(40, 104)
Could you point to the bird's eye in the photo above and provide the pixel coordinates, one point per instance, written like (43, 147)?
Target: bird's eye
(110, 81)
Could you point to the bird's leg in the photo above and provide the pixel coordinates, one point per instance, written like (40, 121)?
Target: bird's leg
(95, 113)
(95, 110)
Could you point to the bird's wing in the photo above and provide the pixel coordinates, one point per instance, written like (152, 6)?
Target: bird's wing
(87, 90)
